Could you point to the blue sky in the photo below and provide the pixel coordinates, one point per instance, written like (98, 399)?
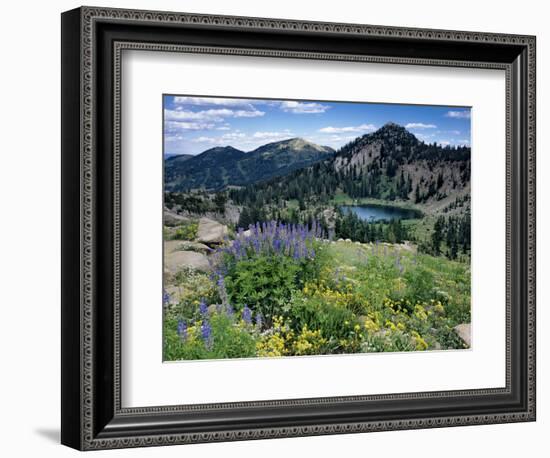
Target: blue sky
(195, 124)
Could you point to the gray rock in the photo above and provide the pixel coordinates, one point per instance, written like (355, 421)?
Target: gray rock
(184, 245)
(173, 219)
(211, 232)
(213, 308)
(175, 294)
(177, 260)
(464, 332)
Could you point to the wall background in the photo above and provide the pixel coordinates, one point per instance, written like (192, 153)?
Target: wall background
(30, 240)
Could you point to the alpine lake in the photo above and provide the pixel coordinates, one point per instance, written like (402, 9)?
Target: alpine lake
(375, 213)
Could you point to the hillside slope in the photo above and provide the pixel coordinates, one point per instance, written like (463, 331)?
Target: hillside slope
(223, 166)
(389, 164)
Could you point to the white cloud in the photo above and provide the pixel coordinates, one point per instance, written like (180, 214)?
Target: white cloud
(339, 130)
(292, 106)
(205, 140)
(444, 142)
(213, 115)
(173, 138)
(419, 125)
(273, 135)
(174, 126)
(247, 113)
(425, 137)
(288, 106)
(462, 114)
(217, 101)
(244, 141)
(222, 140)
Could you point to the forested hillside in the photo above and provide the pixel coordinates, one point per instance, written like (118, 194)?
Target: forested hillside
(226, 166)
(389, 164)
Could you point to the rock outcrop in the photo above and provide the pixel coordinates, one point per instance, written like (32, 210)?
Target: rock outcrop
(464, 332)
(211, 232)
(177, 260)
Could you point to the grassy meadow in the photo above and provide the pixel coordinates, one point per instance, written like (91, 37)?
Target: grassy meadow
(292, 290)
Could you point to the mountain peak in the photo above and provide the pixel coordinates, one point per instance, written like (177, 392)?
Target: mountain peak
(296, 144)
(222, 151)
(392, 127)
(395, 133)
(223, 166)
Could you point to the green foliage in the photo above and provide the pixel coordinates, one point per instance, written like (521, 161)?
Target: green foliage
(264, 283)
(192, 287)
(350, 226)
(229, 339)
(335, 323)
(186, 231)
(420, 284)
(386, 176)
(196, 203)
(349, 299)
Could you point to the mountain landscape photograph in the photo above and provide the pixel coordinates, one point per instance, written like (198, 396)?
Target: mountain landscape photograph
(304, 228)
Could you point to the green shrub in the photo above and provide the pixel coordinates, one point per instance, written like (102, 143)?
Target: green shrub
(186, 231)
(229, 338)
(264, 283)
(193, 286)
(335, 322)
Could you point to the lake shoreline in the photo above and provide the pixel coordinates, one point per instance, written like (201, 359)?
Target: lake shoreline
(378, 212)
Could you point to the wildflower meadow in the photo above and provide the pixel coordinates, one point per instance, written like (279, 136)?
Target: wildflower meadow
(279, 290)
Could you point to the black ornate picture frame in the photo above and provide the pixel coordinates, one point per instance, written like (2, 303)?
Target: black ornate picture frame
(92, 42)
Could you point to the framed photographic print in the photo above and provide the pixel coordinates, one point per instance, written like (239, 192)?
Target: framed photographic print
(277, 228)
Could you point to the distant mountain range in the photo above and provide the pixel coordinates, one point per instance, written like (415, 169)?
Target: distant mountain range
(223, 166)
(182, 157)
(389, 164)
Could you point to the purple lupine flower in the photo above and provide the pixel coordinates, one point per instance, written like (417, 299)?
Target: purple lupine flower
(399, 265)
(222, 291)
(165, 297)
(182, 330)
(206, 333)
(266, 238)
(259, 320)
(229, 310)
(203, 308)
(247, 314)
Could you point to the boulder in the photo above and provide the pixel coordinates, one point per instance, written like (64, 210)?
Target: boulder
(464, 332)
(211, 232)
(173, 219)
(328, 213)
(174, 293)
(184, 245)
(177, 260)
